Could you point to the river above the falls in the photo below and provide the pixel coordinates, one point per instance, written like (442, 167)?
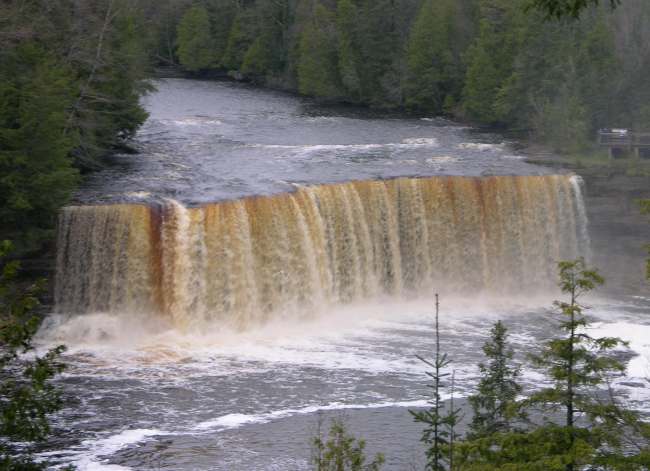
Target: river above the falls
(207, 141)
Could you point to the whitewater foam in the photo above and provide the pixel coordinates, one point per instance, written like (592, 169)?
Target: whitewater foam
(230, 421)
(91, 455)
(479, 146)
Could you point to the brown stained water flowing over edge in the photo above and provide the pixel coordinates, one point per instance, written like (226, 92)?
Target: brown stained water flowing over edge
(241, 262)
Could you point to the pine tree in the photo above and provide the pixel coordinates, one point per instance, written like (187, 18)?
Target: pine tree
(348, 56)
(317, 66)
(381, 50)
(577, 364)
(240, 38)
(433, 69)
(222, 15)
(581, 427)
(436, 436)
(494, 405)
(490, 59)
(195, 49)
(36, 172)
(341, 451)
(267, 53)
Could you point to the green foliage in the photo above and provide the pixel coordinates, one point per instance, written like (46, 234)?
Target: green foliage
(348, 53)
(257, 59)
(490, 60)
(381, 47)
(341, 451)
(495, 407)
(27, 396)
(222, 14)
(36, 173)
(317, 67)
(566, 8)
(582, 424)
(70, 84)
(577, 364)
(439, 432)
(195, 48)
(239, 41)
(545, 448)
(433, 69)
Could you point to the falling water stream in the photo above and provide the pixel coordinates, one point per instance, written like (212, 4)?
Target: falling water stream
(264, 258)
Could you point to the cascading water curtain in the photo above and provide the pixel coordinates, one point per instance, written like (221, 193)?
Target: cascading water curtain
(242, 261)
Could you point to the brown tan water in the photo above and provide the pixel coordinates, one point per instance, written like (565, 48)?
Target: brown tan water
(241, 261)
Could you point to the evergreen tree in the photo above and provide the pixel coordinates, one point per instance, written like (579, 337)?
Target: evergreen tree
(27, 396)
(589, 432)
(267, 53)
(36, 173)
(240, 38)
(439, 427)
(490, 60)
(195, 48)
(317, 66)
(433, 69)
(222, 14)
(341, 451)
(348, 54)
(70, 85)
(577, 364)
(381, 50)
(566, 8)
(494, 405)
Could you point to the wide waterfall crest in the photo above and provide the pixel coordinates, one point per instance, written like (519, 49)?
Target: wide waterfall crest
(243, 261)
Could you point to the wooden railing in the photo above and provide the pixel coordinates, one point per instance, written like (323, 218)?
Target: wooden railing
(620, 139)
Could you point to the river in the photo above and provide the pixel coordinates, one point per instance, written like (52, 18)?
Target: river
(265, 261)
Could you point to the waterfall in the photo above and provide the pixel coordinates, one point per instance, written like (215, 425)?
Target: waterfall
(242, 261)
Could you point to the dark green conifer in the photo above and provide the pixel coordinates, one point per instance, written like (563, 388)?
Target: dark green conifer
(495, 407)
(439, 427)
(341, 451)
(318, 63)
(194, 38)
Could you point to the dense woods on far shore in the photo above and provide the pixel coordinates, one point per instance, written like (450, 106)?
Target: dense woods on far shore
(492, 62)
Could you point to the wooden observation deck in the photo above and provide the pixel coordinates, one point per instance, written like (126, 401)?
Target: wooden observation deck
(625, 142)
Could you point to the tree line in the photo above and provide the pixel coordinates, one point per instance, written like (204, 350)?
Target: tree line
(492, 62)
